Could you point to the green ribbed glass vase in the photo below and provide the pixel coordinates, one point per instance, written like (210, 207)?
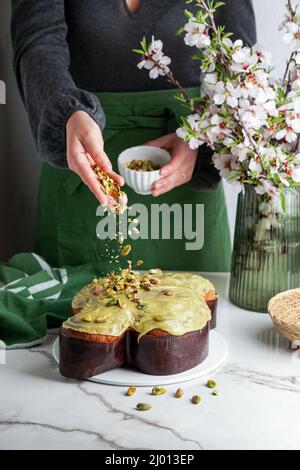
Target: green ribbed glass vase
(264, 265)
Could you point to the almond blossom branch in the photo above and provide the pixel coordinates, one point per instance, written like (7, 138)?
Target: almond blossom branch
(250, 120)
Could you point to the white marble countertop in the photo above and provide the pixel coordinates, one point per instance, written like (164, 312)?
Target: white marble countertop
(258, 407)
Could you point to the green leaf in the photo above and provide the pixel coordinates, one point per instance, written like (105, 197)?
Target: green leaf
(283, 201)
(138, 51)
(186, 124)
(189, 15)
(144, 44)
(180, 31)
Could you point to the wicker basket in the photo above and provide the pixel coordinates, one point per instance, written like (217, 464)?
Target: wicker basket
(284, 309)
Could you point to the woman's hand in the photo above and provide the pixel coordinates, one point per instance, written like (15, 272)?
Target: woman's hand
(181, 167)
(84, 149)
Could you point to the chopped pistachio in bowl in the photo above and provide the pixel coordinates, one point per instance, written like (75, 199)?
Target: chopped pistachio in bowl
(140, 177)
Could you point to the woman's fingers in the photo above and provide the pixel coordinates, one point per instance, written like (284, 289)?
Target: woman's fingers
(82, 167)
(164, 185)
(93, 145)
(174, 164)
(84, 150)
(117, 178)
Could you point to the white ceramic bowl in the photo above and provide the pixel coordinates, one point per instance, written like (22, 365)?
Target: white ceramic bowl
(141, 181)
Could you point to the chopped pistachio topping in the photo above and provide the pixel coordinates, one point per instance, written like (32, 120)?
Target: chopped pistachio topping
(112, 302)
(112, 189)
(101, 319)
(87, 317)
(142, 165)
(158, 318)
(122, 303)
(167, 292)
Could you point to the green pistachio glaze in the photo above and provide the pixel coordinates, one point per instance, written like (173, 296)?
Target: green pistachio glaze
(180, 313)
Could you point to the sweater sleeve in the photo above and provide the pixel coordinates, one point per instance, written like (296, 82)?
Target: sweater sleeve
(41, 63)
(238, 17)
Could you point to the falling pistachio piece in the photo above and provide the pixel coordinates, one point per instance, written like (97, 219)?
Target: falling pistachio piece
(215, 393)
(139, 263)
(126, 250)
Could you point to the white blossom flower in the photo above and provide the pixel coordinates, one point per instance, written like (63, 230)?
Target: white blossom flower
(227, 94)
(287, 134)
(254, 117)
(193, 120)
(244, 60)
(258, 87)
(156, 46)
(196, 34)
(234, 45)
(155, 61)
(225, 163)
(195, 143)
(162, 68)
(219, 130)
(209, 83)
(240, 151)
(255, 166)
(271, 108)
(182, 133)
(266, 187)
(292, 36)
(294, 123)
(265, 57)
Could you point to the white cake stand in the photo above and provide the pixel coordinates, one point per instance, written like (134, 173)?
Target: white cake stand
(126, 376)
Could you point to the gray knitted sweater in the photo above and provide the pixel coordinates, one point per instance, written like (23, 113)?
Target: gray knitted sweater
(66, 49)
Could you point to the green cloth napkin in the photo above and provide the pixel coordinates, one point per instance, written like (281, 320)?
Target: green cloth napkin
(34, 296)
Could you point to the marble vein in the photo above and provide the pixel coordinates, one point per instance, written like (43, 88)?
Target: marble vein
(128, 416)
(100, 437)
(285, 383)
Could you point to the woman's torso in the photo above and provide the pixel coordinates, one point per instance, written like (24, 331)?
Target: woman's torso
(102, 34)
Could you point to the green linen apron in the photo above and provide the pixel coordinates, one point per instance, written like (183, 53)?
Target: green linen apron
(67, 220)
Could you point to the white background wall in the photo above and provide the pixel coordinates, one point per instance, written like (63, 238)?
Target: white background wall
(19, 167)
